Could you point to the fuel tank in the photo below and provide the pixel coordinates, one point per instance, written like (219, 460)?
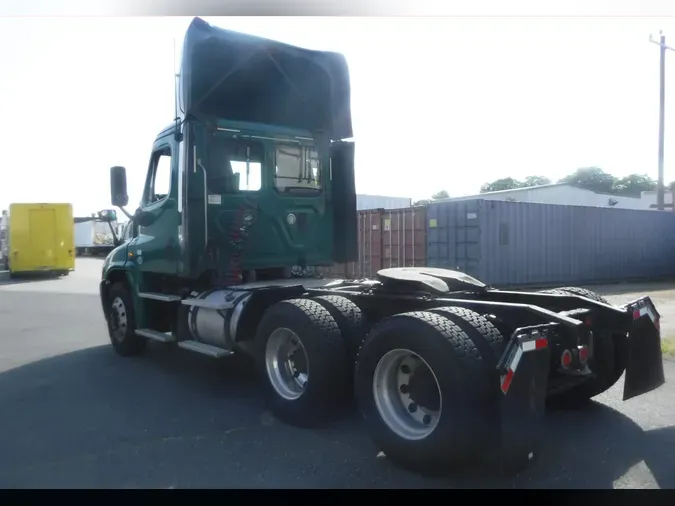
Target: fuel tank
(214, 317)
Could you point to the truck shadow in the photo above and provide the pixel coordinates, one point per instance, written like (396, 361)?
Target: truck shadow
(19, 279)
(73, 415)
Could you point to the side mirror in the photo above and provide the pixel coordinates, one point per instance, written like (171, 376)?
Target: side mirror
(118, 186)
(107, 215)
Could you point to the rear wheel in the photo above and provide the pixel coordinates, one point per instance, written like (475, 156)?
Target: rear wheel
(350, 320)
(609, 356)
(423, 389)
(301, 358)
(122, 322)
(485, 336)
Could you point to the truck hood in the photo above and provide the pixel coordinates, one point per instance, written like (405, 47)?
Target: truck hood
(240, 77)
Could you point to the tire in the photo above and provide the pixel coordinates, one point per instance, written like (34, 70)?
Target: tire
(460, 432)
(485, 336)
(317, 332)
(125, 342)
(608, 362)
(350, 320)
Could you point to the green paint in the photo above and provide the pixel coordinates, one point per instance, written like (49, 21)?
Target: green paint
(284, 201)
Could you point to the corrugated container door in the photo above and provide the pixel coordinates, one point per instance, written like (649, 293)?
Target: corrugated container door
(404, 237)
(370, 244)
(454, 236)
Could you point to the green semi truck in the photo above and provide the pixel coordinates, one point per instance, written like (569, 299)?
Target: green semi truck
(253, 182)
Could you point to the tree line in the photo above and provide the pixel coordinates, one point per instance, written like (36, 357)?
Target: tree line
(590, 178)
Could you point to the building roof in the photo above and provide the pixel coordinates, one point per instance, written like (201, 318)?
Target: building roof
(498, 192)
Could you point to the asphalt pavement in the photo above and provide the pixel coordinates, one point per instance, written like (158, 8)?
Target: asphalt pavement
(74, 414)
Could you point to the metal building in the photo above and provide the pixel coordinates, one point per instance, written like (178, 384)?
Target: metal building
(364, 202)
(566, 194)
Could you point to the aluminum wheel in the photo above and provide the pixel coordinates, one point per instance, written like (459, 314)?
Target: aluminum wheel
(286, 363)
(407, 394)
(118, 319)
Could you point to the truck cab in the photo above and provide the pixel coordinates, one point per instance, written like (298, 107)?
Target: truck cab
(254, 176)
(252, 182)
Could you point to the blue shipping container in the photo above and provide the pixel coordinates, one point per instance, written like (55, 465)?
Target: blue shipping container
(521, 243)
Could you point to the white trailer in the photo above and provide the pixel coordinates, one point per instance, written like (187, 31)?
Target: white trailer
(93, 237)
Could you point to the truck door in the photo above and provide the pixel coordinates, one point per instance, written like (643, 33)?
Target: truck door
(42, 237)
(156, 248)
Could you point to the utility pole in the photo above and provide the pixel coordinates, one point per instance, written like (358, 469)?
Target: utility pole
(662, 105)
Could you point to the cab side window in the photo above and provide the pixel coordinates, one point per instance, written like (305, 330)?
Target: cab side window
(159, 180)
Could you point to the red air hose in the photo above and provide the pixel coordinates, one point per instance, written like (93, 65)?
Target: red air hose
(238, 239)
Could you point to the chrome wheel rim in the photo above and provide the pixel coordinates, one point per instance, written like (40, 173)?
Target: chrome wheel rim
(286, 364)
(411, 407)
(118, 319)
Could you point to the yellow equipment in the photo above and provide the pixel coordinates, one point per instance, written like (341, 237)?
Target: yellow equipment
(41, 238)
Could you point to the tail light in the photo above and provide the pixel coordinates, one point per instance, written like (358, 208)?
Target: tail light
(566, 359)
(583, 354)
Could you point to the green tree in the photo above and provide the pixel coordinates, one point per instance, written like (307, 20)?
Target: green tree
(422, 202)
(633, 185)
(507, 183)
(443, 194)
(536, 181)
(591, 178)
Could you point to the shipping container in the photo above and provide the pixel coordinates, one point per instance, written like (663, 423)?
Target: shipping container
(366, 202)
(386, 238)
(41, 238)
(518, 243)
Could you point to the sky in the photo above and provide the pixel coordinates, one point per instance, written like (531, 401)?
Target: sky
(437, 103)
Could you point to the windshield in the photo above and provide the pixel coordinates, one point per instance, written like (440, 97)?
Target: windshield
(298, 168)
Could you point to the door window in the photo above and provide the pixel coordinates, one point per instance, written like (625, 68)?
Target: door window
(159, 183)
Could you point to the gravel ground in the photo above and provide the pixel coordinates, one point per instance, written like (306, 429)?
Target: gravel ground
(76, 415)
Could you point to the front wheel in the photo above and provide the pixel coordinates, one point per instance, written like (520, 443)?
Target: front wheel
(122, 322)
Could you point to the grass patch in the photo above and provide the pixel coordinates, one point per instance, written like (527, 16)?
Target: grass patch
(668, 347)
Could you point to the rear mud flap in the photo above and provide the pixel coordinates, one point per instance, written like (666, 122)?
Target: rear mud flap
(524, 371)
(644, 366)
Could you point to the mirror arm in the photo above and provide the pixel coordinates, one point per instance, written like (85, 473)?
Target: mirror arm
(126, 213)
(116, 240)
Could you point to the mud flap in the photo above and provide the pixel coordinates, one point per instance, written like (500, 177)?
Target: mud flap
(644, 367)
(524, 371)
